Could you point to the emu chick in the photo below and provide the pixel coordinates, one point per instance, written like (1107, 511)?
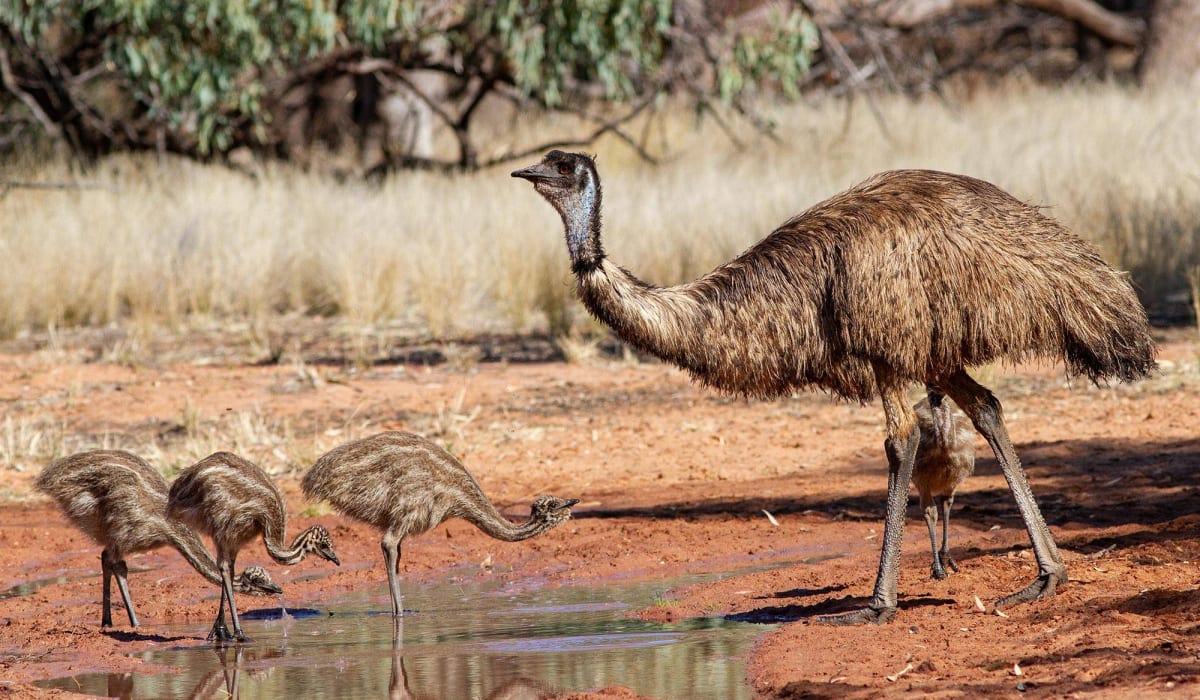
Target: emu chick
(945, 458)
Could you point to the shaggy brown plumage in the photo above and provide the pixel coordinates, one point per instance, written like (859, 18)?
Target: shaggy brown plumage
(120, 501)
(909, 276)
(233, 501)
(402, 484)
(945, 458)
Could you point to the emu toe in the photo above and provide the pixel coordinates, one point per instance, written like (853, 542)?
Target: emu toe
(858, 617)
(1043, 586)
(220, 633)
(942, 562)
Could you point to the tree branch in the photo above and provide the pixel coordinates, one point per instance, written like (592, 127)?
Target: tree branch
(854, 76)
(1105, 24)
(52, 129)
(612, 126)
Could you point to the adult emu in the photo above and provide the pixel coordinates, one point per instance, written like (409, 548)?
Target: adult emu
(911, 276)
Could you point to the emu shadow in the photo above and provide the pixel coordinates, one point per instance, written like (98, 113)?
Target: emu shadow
(804, 592)
(278, 613)
(778, 614)
(1093, 482)
(130, 636)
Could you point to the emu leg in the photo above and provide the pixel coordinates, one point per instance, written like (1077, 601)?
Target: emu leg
(901, 446)
(227, 585)
(120, 570)
(391, 562)
(944, 504)
(931, 517)
(986, 413)
(220, 633)
(106, 597)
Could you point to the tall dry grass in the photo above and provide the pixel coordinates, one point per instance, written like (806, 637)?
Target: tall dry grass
(481, 252)
(1194, 279)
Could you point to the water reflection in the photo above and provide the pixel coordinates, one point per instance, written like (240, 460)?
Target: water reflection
(457, 641)
(519, 688)
(224, 678)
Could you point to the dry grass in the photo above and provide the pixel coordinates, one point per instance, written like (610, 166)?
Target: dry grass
(1194, 280)
(475, 253)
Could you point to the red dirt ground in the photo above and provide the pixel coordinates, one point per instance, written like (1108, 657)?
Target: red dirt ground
(673, 479)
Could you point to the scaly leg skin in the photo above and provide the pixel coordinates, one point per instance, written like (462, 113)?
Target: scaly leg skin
(220, 633)
(931, 517)
(120, 570)
(986, 413)
(901, 446)
(106, 600)
(945, 503)
(227, 583)
(391, 562)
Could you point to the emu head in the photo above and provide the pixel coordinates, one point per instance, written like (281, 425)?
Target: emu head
(318, 541)
(256, 581)
(551, 509)
(570, 183)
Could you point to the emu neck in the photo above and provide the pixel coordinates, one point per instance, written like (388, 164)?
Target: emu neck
(659, 320)
(581, 220)
(275, 549)
(489, 520)
(188, 544)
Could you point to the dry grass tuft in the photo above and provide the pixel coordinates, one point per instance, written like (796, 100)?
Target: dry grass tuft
(481, 253)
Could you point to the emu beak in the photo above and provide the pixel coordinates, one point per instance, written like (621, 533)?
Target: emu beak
(271, 588)
(534, 173)
(332, 557)
(570, 502)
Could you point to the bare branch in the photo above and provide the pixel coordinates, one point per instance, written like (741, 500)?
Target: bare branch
(854, 76)
(52, 129)
(611, 126)
(706, 106)
(1105, 24)
(389, 75)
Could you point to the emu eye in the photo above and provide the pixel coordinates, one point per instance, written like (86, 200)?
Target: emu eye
(564, 169)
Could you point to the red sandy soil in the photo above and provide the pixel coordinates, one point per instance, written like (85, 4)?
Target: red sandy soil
(673, 479)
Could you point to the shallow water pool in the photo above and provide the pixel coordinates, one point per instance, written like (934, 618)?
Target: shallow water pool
(458, 640)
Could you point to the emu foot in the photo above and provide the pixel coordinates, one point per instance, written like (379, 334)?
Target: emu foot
(1042, 587)
(937, 570)
(221, 633)
(858, 617)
